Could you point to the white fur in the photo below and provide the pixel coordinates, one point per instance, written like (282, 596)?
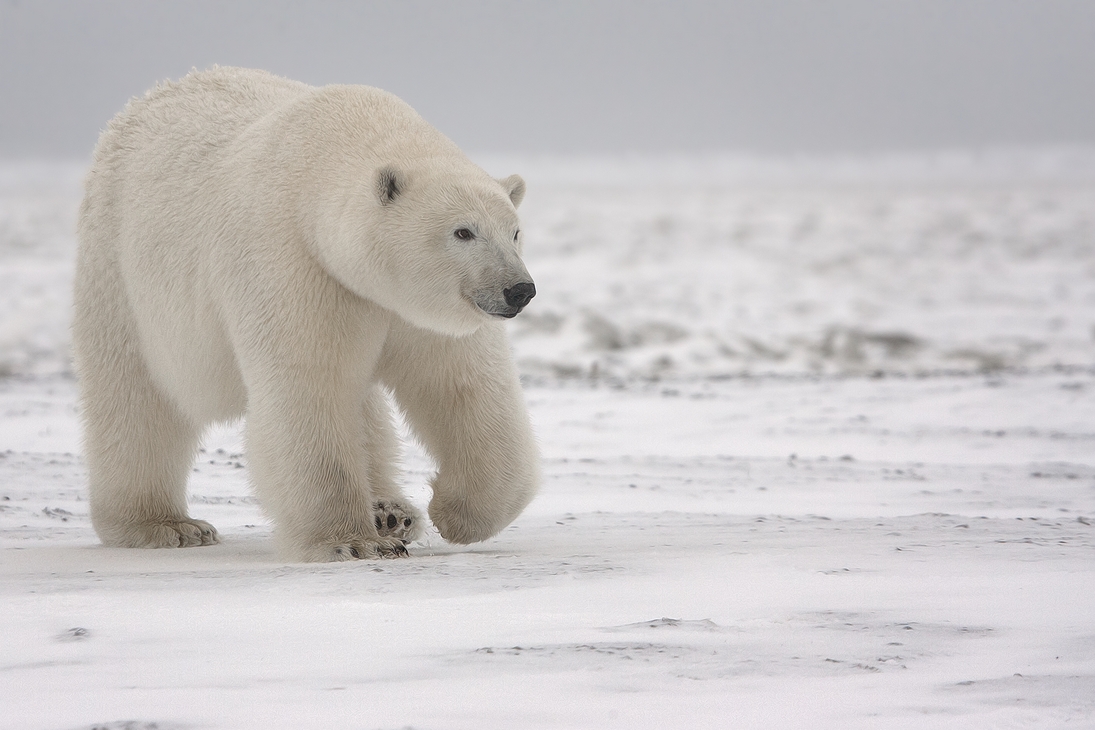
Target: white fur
(254, 246)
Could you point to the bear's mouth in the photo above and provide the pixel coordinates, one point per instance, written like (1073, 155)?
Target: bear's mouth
(508, 313)
(495, 308)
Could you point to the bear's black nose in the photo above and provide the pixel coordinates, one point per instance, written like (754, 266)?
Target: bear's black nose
(519, 295)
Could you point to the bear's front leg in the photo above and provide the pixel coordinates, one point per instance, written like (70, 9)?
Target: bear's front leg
(311, 474)
(314, 483)
(308, 364)
(462, 397)
(309, 451)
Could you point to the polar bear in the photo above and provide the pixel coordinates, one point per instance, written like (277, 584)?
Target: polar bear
(253, 246)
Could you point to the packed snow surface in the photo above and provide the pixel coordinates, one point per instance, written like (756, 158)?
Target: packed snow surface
(819, 452)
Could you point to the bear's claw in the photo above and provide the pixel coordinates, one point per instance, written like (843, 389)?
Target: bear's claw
(384, 548)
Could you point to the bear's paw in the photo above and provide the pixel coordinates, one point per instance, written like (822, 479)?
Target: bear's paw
(397, 519)
(163, 534)
(359, 549)
(354, 548)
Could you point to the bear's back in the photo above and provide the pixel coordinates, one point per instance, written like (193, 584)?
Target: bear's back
(203, 112)
(243, 117)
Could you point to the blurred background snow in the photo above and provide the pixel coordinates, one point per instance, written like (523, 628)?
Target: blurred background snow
(726, 266)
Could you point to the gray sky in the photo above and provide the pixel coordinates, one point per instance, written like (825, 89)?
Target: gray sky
(581, 76)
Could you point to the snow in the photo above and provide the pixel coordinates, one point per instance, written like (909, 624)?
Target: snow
(818, 442)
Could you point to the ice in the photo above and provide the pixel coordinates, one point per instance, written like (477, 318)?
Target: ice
(818, 449)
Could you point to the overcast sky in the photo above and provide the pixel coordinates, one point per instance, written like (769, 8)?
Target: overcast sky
(588, 76)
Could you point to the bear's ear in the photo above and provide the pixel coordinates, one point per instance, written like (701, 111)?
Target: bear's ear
(389, 184)
(515, 188)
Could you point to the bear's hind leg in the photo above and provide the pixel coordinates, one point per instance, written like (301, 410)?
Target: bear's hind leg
(393, 514)
(140, 449)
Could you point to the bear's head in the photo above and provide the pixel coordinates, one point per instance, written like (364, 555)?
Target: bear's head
(439, 244)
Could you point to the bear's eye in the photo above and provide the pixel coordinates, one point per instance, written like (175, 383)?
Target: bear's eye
(515, 235)
(464, 234)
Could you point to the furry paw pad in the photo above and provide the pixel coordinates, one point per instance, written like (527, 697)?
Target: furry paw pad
(398, 520)
(196, 532)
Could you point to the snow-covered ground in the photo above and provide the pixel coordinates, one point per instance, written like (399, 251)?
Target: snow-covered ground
(819, 445)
